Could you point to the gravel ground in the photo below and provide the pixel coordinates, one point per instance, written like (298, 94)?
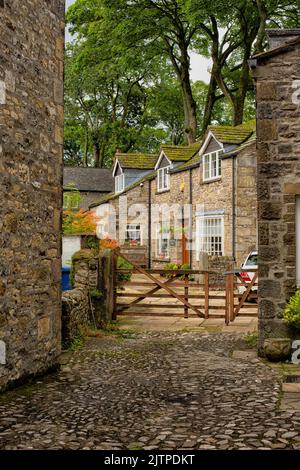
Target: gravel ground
(152, 391)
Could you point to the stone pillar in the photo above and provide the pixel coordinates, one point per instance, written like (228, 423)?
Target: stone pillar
(31, 151)
(276, 74)
(96, 274)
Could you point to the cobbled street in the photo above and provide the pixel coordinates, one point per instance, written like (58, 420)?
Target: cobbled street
(152, 391)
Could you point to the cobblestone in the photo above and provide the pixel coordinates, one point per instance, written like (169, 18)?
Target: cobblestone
(156, 391)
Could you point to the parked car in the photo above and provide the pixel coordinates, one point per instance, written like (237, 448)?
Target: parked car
(250, 263)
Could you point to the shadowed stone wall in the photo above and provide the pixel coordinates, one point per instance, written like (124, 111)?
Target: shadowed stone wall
(31, 144)
(278, 143)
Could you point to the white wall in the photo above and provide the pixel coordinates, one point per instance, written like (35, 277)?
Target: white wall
(69, 247)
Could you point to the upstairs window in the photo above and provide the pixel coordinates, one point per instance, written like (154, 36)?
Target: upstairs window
(211, 166)
(119, 183)
(163, 179)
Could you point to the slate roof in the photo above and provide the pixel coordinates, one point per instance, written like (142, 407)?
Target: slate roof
(89, 179)
(113, 195)
(233, 134)
(250, 141)
(180, 153)
(286, 46)
(237, 135)
(138, 161)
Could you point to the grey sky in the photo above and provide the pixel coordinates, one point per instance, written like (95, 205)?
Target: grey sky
(199, 65)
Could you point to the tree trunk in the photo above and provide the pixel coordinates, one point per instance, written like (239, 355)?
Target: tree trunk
(96, 150)
(86, 147)
(210, 101)
(190, 108)
(101, 156)
(182, 70)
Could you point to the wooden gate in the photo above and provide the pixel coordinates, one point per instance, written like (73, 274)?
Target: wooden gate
(157, 292)
(240, 293)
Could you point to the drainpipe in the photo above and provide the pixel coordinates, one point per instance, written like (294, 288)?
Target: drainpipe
(149, 226)
(191, 217)
(233, 208)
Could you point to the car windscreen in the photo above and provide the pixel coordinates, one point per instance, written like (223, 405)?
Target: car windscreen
(251, 261)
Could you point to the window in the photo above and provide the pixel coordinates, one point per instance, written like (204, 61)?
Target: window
(119, 183)
(211, 165)
(162, 242)
(71, 200)
(163, 179)
(133, 234)
(210, 235)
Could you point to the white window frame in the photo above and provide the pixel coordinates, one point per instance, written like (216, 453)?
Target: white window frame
(119, 183)
(207, 159)
(159, 239)
(133, 228)
(206, 231)
(163, 179)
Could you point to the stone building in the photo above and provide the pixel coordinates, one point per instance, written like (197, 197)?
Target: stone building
(277, 77)
(92, 184)
(193, 200)
(31, 144)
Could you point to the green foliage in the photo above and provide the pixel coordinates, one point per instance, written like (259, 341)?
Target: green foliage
(74, 344)
(72, 197)
(291, 314)
(92, 243)
(251, 340)
(123, 264)
(174, 266)
(128, 82)
(96, 294)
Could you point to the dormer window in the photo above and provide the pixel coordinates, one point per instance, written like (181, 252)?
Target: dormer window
(163, 179)
(119, 183)
(212, 165)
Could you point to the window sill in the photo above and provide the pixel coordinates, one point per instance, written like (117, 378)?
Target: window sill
(212, 180)
(160, 191)
(162, 260)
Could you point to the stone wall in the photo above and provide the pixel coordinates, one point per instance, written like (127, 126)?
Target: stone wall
(278, 130)
(75, 314)
(31, 144)
(94, 273)
(219, 265)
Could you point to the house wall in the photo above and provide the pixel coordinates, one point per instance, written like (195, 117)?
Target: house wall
(31, 144)
(278, 131)
(90, 197)
(207, 197)
(246, 203)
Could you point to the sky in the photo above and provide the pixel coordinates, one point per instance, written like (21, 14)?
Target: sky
(199, 65)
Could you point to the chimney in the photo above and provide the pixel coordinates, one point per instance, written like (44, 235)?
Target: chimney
(279, 37)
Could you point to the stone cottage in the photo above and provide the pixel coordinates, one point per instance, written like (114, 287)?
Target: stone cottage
(277, 78)
(31, 149)
(209, 193)
(92, 184)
